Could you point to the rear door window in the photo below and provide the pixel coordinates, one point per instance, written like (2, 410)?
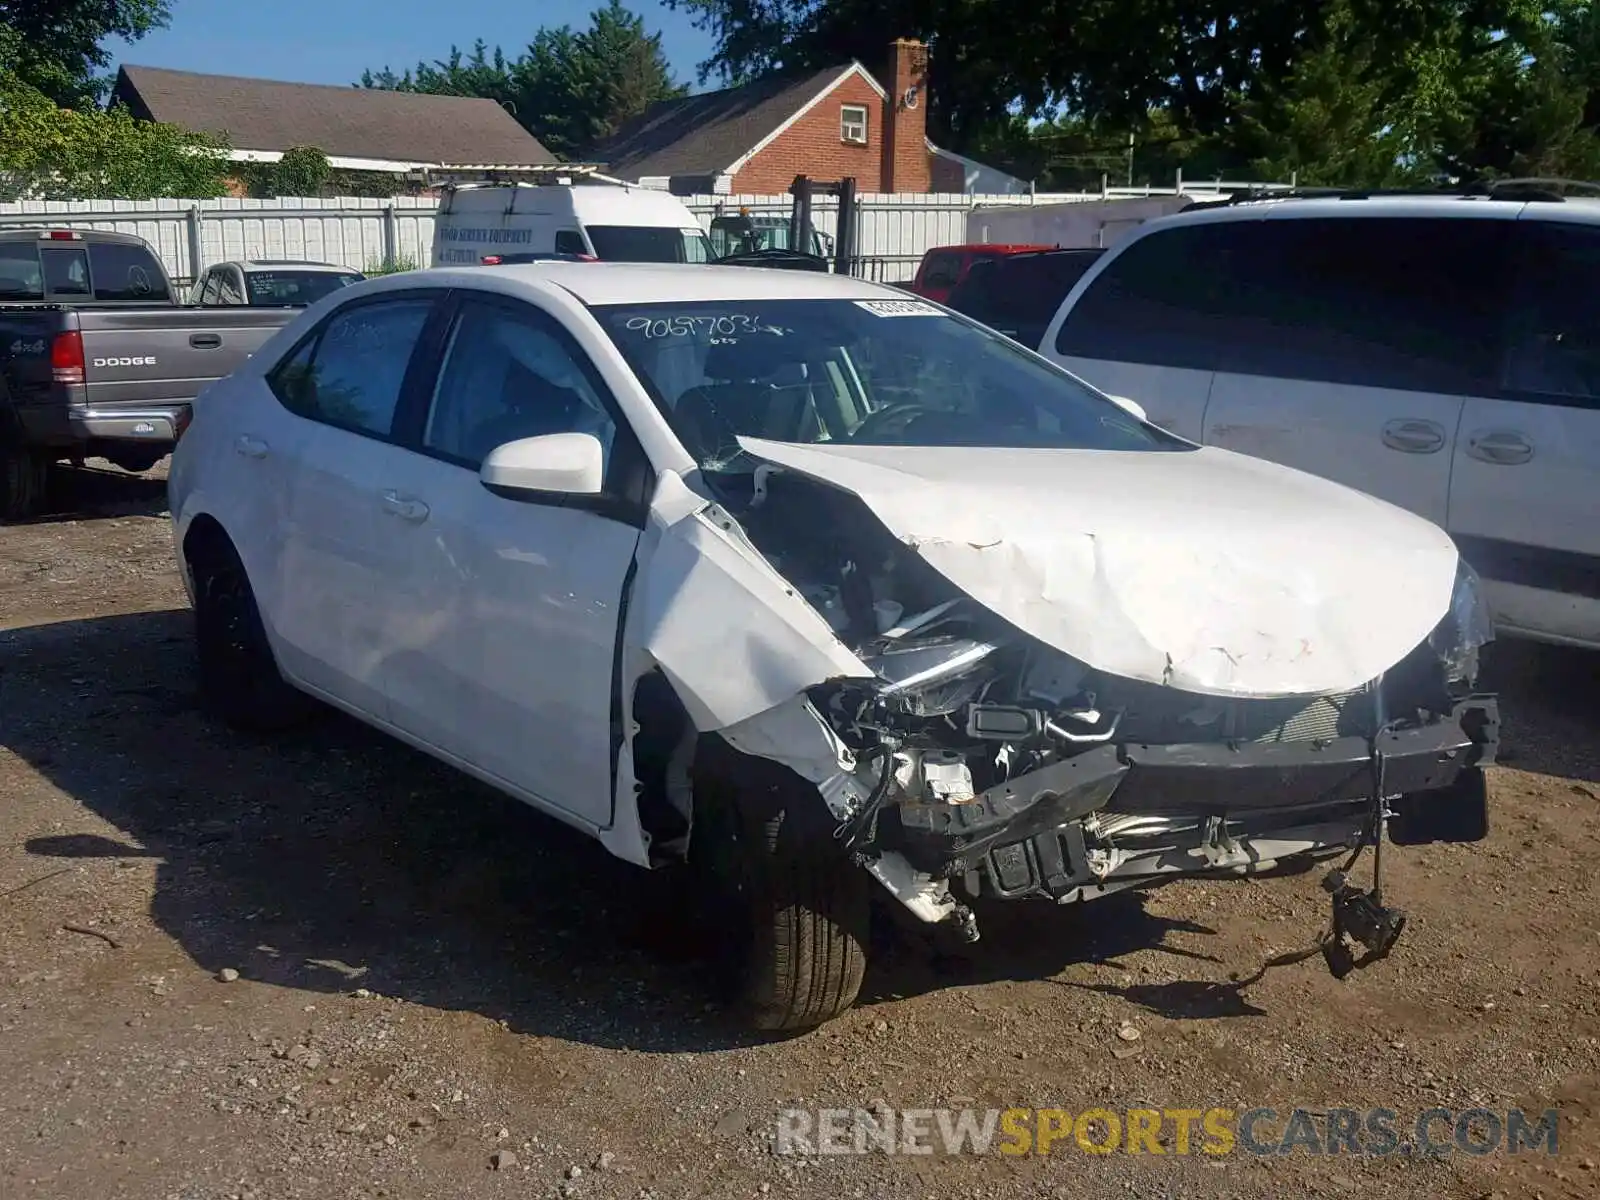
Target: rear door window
(20, 275)
(1413, 304)
(350, 373)
(126, 272)
(1160, 302)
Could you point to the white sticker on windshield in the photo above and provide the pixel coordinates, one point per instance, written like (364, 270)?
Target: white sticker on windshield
(899, 308)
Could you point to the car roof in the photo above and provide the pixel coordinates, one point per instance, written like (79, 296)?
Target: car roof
(251, 264)
(992, 248)
(1357, 207)
(597, 283)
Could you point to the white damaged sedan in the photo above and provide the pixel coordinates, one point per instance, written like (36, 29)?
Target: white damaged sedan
(805, 584)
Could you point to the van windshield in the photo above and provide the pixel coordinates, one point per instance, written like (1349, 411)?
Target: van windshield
(648, 243)
(883, 372)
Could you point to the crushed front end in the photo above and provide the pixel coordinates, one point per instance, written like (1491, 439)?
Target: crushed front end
(984, 763)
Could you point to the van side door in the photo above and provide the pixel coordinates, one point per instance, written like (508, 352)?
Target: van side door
(1525, 493)
(1353, 343)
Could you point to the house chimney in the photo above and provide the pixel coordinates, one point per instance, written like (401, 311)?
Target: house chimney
(905, 148)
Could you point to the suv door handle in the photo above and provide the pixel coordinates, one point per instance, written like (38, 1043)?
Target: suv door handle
(250, 447)
(205, 341)
(407, 508)
(1503, 447)
(1413, 436)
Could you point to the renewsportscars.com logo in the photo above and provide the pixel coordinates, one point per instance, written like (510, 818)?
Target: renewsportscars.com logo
(1377, 1132)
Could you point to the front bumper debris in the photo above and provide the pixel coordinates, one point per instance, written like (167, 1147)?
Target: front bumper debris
(1129, 815)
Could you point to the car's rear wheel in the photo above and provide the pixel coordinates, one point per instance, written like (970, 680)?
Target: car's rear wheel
(796, 909)
(239, 677)
(24, 481)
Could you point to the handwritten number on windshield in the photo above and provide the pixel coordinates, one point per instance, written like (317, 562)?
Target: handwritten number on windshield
(730, 325)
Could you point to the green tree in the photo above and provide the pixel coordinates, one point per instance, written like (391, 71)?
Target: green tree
(54, 46)
(55, 153)
(302, 171)
(1357, 91)
(570, 89)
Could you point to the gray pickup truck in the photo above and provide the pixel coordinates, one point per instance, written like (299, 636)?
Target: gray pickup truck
(97, 356)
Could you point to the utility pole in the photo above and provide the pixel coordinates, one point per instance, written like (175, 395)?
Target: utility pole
(1130, 158)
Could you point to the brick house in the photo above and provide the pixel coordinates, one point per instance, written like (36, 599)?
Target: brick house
(402, 134)
(826, 124)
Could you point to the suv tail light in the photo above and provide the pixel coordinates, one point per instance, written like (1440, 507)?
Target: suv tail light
(491, 260)
(66, 357)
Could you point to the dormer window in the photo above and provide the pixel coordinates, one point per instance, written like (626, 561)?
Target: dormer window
(853, 124)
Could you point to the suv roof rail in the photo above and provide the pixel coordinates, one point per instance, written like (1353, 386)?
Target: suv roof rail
(1528, 190)
(1540, 187)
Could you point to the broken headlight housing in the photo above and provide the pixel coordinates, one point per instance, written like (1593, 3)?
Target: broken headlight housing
(1467, 627)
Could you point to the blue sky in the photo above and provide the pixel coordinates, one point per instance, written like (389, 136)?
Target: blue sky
(333, 41)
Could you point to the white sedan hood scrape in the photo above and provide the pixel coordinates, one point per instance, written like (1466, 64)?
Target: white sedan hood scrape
(1201, 569)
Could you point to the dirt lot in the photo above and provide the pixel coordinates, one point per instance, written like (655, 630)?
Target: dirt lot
(428, 975)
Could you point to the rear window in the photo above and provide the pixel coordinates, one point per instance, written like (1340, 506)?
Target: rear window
(941, 269)
(20, 276)
(291, 287)
(126, 272)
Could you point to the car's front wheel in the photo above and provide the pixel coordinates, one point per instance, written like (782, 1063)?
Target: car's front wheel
(239, 677)
(777, 881)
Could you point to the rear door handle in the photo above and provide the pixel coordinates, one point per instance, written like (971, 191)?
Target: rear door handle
(205, 341)
(407, 508)
(1411, 436)
(250, 447)
(1503, 447)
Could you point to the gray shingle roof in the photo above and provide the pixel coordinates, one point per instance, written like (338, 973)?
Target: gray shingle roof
(350, 122)
(706, 134)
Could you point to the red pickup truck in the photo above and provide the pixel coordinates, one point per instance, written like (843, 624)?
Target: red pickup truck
(945, 266)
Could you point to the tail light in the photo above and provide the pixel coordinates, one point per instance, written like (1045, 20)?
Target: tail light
(66, 357)
(585, 258)
(61, 235)
(491, 260)
(181, 421)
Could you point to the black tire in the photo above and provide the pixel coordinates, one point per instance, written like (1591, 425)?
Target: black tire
(24, 482)
(239, 678)
(798, 908)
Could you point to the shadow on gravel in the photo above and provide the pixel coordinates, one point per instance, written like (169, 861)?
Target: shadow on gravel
(99, 491)
(337, 858)
(1549, 708)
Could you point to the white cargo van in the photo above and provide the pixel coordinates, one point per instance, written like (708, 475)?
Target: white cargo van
(604, 221)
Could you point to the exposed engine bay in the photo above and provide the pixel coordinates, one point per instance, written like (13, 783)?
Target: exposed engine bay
(979, 761)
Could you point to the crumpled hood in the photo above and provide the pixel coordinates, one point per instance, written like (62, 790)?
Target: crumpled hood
(1201, 569)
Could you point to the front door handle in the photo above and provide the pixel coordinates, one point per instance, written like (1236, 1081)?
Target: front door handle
(1411, 436)
(407, 508)
(250, 447)
(1502, 447)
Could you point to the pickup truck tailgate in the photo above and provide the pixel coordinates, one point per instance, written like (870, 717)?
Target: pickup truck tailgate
(165, 356)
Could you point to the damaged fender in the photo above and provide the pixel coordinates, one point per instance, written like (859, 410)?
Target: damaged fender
(697, 584)
(696, 590)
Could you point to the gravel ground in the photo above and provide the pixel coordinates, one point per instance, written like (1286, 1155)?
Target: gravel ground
(327, 967)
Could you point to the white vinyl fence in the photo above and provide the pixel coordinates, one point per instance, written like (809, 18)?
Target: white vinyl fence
(893, 230)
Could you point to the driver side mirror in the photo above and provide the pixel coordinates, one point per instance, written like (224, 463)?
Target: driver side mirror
(1131, 407)
(565, 464)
